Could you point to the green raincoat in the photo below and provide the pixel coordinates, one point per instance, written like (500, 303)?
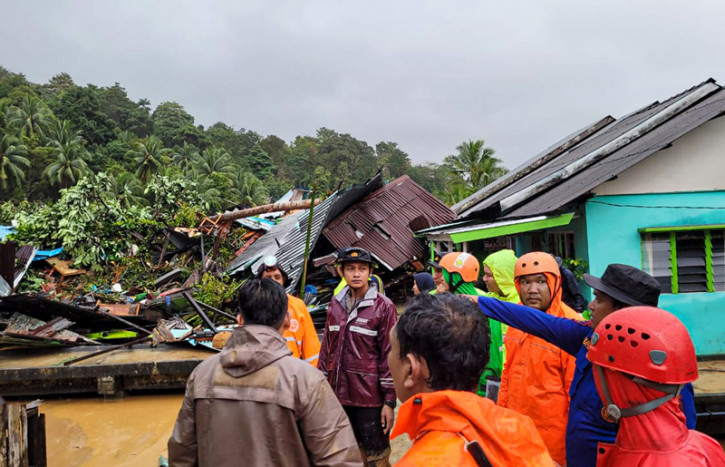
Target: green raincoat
(502, 265)
(495, 361)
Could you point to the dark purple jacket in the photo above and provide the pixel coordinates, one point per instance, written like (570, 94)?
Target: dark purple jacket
(355, 348)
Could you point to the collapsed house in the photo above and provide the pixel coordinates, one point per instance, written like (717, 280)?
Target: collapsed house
(381, 219)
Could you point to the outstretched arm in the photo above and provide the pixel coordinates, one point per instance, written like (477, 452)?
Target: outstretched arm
(564, 333)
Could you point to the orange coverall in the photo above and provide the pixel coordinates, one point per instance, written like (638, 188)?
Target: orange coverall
(537, 375)
(301, 335)
(441, 423)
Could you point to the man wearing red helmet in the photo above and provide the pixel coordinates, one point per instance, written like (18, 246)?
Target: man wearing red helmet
(620, 286)
(642, 358)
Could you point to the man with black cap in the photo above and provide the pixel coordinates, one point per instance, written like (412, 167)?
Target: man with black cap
(354, 355)
(620, 286)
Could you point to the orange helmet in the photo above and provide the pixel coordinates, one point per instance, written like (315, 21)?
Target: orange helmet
(463, 263)
(536, 262)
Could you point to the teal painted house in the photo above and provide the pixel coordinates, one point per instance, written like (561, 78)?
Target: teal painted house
(647, 189)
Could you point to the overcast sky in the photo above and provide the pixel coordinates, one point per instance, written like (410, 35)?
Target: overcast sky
(427, 75)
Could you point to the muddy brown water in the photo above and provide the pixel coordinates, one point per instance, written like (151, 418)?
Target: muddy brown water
(93, 432)
(122, 433)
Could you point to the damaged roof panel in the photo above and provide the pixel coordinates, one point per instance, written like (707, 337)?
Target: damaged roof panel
(381, 223)
(286, 240)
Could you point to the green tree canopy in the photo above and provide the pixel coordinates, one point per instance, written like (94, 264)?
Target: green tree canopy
(81, 106)
(150, 156)
(70, 155)
(12, 161)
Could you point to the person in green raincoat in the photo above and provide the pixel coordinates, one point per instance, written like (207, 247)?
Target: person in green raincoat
(498, 274)
(460, 270)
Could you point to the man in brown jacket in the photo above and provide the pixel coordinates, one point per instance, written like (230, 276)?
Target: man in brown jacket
(254, 404)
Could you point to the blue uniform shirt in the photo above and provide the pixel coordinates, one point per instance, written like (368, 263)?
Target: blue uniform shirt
(585, 427)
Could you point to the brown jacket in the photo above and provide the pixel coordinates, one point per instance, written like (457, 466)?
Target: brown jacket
(254, 404)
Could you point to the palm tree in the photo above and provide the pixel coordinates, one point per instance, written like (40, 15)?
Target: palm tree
(11, 158)
(31, 117)
(211, 197)
(475, 164)
(71, 155)
(128, 189)
(251, 190)
(214, 160)
(150, 155)
(185, 156)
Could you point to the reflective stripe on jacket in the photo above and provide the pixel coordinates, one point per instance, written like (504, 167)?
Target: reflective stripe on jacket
(441, 423)
(355, 348)
(301, 335)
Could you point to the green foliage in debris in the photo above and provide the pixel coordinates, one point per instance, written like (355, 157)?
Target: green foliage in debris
(577, 265)
(215, 291)
(31, 282)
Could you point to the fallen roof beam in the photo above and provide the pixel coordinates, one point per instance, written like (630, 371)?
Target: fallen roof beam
(241, 213)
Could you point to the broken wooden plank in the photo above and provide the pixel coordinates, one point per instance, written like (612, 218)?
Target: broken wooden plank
(119, 309)
(63, 266)
(52, 327)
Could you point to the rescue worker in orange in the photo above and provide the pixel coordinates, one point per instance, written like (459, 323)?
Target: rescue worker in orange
(537, 375)
(642, 357)
(439, 349)
(301, 336)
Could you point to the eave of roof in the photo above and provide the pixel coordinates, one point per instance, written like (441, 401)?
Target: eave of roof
(570, 174)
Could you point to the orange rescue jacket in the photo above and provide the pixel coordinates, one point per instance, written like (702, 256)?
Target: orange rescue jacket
(536, 378)
(441, 423)
(301, 335)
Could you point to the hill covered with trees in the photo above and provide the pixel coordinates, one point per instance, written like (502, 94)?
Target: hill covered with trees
(53, 134)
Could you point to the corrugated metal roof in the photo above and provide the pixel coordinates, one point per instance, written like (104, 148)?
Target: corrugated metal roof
(381, 223)
(286, 240)
(573, 185)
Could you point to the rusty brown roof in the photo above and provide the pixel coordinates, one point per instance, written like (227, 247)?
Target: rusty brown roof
(385, 221)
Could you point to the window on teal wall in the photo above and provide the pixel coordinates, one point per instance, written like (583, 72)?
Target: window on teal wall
(685, 260)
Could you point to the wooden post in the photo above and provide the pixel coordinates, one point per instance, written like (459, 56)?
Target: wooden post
(17, 436)
(22, 435)
(3, 434)
(307, 241)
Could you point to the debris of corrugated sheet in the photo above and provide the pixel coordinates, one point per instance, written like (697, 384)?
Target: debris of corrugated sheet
(384, 222)
(574, 185)
(13, 265)
(286, 240)
(38, 307)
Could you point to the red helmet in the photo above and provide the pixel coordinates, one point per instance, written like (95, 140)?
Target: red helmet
(536, 262)
(463, 263)
(646, 342)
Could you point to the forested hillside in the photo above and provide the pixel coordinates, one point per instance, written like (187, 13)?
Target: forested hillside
(53, 134)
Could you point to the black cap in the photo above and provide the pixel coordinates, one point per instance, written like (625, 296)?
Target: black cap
(436, 258)
(348, 255)
(627, 284)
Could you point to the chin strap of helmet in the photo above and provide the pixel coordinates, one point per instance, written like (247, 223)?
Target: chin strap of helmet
(616, 413)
